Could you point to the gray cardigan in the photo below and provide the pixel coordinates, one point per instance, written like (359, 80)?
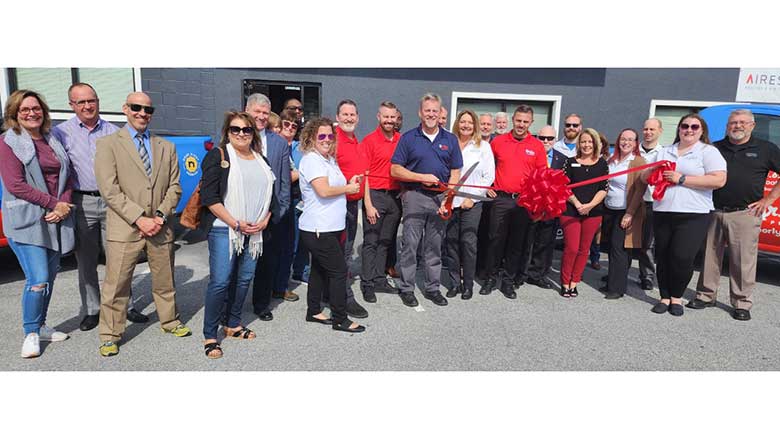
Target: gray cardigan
(23, 221)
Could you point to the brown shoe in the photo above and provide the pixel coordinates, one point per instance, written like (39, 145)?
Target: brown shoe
(287, 295)
(392, 273)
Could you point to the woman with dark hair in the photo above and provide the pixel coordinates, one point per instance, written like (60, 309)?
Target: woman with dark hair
(681, 217)
(583, 213)
(461, 234)
(624, 213)
(323, 224)
(36, 208)
(237, 187)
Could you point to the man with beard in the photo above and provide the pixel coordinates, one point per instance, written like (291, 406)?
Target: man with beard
(486, 127)
(381, 207)
(649, 148)
(517, 153)
(502, 123)
(739, 210)
(426, 155)
(566, 147)
(352, 161)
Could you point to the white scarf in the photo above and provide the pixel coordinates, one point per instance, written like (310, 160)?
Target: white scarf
(234, 203)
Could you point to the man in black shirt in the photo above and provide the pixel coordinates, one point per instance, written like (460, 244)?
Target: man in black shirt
(739, 208)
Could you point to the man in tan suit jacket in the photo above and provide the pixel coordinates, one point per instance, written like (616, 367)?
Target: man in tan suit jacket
(138, 177)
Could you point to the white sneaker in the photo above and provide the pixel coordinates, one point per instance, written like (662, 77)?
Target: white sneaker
(32, 346)
(49, 334)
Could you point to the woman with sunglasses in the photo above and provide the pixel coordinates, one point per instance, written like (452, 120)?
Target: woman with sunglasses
(583, 213)
(323, 223)
(288, 129)
(237, 187)
(461, 234)
(681, 217)
(36, 208)
(624, 213)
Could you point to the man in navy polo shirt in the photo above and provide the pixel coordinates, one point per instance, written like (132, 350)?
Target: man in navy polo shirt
(427, 154)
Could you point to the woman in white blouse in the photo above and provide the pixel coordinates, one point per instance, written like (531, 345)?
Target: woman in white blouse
(461, 239)
(322, 223)
(625, 212)
(681, 217)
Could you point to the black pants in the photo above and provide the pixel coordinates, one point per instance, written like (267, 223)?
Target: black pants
(461, 242)
(678, 237)
(541, 249)
(378, 237)
(328, 273)
(268, 264)
(483, 240)
(619, 255)
(509, 227)
(646, 254)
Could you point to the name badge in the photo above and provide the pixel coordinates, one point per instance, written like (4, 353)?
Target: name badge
(751, 155)
(575, 165)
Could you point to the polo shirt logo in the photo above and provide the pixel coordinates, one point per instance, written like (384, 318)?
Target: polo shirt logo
(443, 147)
(530, 152)
(751, 155)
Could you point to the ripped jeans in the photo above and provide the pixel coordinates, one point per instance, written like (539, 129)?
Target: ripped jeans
(40, 266)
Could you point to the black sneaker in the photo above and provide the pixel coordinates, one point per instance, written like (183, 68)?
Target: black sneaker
(385, 287)
(488, 286)
(646, 284)
(452, 292)
(369, 296)
(408, 299)
(508, 291)
(541, 283)
(355, 310)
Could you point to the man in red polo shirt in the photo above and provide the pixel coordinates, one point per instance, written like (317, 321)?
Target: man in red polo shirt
(352, 161)
(381, 206)
(516, 153)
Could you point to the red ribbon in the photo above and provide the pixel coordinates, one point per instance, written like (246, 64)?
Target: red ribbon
(657, 179)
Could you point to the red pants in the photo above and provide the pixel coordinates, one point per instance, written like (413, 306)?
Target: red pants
(578, 233)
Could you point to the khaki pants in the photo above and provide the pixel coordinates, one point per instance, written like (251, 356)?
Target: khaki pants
(121, 259)
(739, 231)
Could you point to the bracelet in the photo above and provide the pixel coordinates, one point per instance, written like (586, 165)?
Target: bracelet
(238, 226)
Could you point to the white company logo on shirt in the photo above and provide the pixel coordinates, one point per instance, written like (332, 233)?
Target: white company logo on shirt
(530, 152)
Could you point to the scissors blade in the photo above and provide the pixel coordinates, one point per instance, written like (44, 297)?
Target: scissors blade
(465, 176)
(472, 196)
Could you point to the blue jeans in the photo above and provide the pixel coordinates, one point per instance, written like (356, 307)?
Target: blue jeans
(40, 266)
(301, 265)
(229, 280)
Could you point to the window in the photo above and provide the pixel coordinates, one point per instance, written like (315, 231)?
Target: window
(279, 92)
(670, 112)
(546, 107)
(111, 84)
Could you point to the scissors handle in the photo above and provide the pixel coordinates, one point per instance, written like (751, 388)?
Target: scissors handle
(448, 205)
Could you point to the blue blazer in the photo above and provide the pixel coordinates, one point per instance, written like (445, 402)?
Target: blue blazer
(279, 159)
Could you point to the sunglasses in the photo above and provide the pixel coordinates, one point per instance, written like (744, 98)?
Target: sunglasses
(138, 107)
(693, 126)
(547, 138)
(325, 136)
(572, 125)
(288, 124)
(234, 130)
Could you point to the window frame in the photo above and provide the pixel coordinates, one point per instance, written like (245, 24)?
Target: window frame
(556, 101)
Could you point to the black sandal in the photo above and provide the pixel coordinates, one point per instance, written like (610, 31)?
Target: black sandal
(345, 326)
(244, 333)
(210, 347)
(573, 292)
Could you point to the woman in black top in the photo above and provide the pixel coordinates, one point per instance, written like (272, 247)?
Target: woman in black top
(582, 218)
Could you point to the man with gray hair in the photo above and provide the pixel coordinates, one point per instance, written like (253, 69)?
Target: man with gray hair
(486, 127)
(739, 210)
(276, 152)
(426, 156)
(502, 123)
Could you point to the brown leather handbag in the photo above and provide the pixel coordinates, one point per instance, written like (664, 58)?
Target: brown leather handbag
(190, 216)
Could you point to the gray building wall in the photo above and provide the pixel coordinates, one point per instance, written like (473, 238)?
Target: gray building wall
(192, 100)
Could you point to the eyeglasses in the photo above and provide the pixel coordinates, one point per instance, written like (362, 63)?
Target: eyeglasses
(288, 124)
(294, 108)
(627, 140)
(138, 107)
(693, 126)
(740, 122)
(325, 136)
(26, 111)
(547, 138)
(84, 102)
(234, 130)
(572, 125)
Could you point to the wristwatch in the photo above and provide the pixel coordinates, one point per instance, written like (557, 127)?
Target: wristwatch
(681, 180)
(237, 228)
(159, 214)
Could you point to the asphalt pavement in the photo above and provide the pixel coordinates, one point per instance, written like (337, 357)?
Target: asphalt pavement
(538, 331)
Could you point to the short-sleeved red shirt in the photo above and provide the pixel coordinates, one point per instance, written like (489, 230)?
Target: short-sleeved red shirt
(378, 150)
(515, 159)
(351, 159)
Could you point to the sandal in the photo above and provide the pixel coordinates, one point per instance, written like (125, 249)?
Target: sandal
(565, 292)
(573, 292)
(245, 333)
(213, 347)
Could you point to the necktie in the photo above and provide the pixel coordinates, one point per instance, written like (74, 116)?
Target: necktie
(144, 154)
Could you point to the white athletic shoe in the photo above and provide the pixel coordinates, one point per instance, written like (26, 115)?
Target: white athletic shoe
(50, 334)
(32, 346)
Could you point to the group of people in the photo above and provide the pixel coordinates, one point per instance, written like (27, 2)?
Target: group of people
(282, 199)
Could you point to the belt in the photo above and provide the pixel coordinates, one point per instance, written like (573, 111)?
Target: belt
(92, 193)
(387, 191)
(732, 209)
(502, 194)
(428, 192)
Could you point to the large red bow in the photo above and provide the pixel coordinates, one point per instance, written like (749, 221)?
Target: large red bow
(545, 194)
(656, 179)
